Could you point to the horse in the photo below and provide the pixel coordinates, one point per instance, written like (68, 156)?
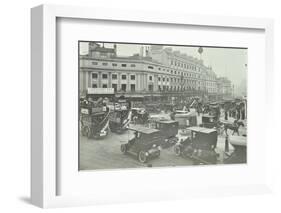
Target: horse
(234, 127)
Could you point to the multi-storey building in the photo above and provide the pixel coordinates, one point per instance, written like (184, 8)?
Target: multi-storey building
(224, 86)
(155, 71)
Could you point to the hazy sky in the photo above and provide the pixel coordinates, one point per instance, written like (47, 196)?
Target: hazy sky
(224, 61)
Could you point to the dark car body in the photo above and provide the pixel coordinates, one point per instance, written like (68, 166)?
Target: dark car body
(200, 146)
(169, 130)
(145, 144)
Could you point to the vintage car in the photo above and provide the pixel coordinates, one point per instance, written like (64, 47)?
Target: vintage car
(144, 145)
(94, 122)
(239, 155)
(169, 130)
(200, 146)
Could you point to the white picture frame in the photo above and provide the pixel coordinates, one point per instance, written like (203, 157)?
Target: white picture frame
(44, 169)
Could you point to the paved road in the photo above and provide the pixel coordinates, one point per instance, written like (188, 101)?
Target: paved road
(105, 153)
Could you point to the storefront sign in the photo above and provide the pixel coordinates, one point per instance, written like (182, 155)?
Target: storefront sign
(95, 91)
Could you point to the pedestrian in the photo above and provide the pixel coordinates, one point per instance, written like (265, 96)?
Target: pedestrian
(225, 115)
(238, 114)
(243, 113)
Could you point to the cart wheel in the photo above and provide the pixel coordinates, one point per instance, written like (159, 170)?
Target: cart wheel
(123, 148)
(88, 132)
(177, 150)
(83, 131)
(142, 157)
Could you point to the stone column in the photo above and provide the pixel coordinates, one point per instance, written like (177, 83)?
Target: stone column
(99, 79)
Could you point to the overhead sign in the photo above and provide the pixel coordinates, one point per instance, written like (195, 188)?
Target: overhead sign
(95, 91)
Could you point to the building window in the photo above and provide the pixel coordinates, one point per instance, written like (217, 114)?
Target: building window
(94, 75)
(123, 87)
(167, 79)
(104, 86)
(159, 79)
(150, 88)
(159, 68)
(94, 85)
(133, 65)
(124, 65)
(114, 65)
(150, 78)
(104, 76)
(114, 76)
(159, 88)
(150, 67)
(104, 64)
(124, 77)
(133, 77)
(94, 63)
(114, 86)
(133, 87)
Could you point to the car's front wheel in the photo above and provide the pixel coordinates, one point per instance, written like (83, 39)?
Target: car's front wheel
(142, 157)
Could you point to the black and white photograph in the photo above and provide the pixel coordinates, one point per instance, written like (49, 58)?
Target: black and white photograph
(161, 105)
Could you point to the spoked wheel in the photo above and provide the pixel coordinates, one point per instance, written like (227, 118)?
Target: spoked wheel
(88, 132)
(142, 157)
(83, 132)
(177, 150)
(123, 148)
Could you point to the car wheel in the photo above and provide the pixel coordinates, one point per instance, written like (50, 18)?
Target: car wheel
(142, 157)
(123, 148)
(177, 150)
